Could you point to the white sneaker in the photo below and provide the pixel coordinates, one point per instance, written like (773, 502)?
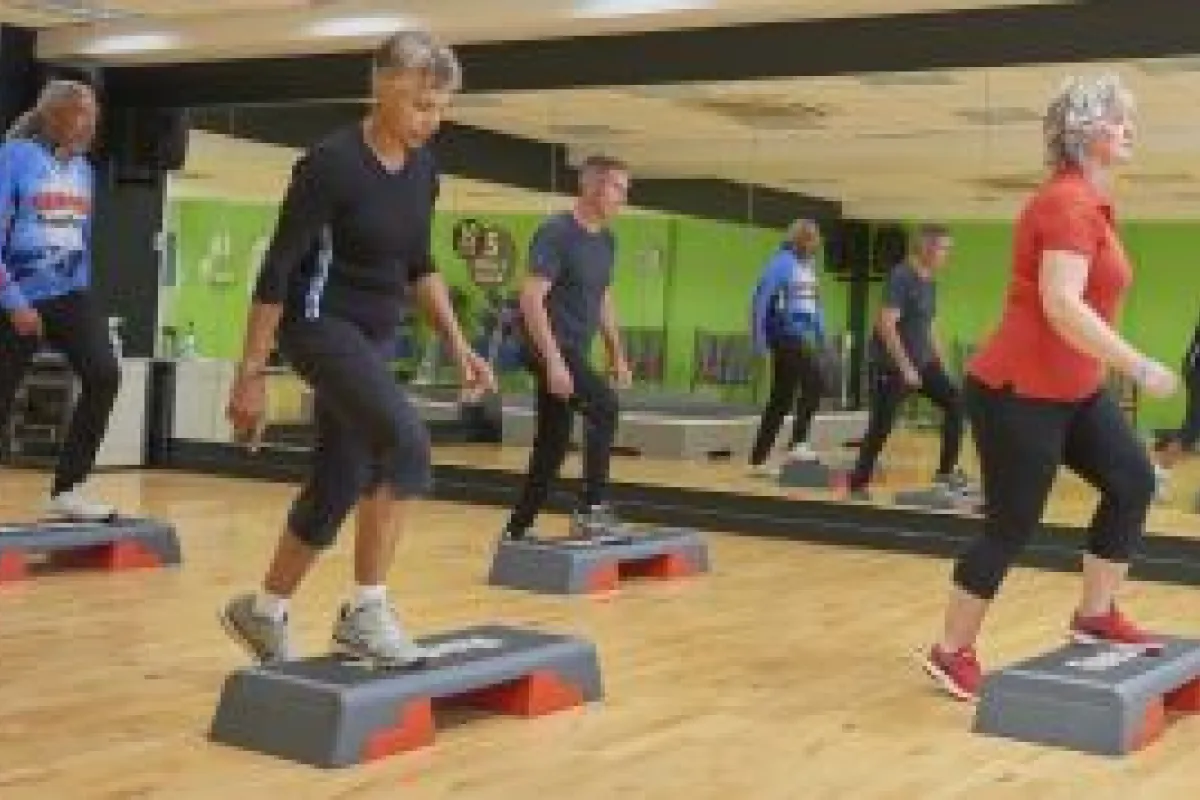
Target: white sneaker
(764, 470)
(802, 452)
(73, 505)
(373, 633)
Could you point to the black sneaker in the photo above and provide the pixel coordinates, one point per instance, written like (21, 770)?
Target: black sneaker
(512, 534)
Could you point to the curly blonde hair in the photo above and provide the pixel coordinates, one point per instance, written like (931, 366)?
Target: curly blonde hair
(1077, 112)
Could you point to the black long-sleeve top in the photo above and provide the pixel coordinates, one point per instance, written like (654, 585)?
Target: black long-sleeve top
(351, 235)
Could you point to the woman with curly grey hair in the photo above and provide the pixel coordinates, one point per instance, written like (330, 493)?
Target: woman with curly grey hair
(1032, 413)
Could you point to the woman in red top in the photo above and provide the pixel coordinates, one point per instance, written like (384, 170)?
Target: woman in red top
(1035, 392)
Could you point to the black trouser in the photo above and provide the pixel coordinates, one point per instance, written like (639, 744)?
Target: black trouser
(1189, 433)
(74, 326)
(1021, 443)
(795, 366)
(368, 432)
(595, 399)
(888, 393)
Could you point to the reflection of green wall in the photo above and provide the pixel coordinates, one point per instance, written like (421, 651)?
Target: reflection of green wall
(703, 278)
(216, 303)
(1159, 315)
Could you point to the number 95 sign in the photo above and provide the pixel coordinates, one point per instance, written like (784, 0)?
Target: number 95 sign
(488, 249)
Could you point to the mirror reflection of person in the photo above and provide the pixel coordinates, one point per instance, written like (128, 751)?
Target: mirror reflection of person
(787, 321)
(1182, 440)
(907, 358)
(565, 300)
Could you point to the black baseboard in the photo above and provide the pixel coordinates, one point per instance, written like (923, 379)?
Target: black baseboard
(1165, 559)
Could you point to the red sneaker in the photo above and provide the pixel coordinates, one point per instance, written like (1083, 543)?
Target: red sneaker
(958, 673)
(1112, 628)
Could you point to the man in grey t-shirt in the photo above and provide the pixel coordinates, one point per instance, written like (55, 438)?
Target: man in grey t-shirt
(565, 301)
(905, 359)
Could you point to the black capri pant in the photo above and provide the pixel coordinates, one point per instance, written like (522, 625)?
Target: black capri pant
(1021, 443)
(368, 432)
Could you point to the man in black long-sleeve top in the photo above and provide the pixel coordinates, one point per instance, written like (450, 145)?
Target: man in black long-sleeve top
(353, 232)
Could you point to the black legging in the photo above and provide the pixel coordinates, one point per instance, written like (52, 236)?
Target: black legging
(1021, 443)
(595, 399)
(795, 365)
(1189, 432)
(74, 326)
(888, 394)
(369, 434)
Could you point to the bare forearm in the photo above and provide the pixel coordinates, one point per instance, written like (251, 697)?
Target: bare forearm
(1086, 331)
(262, 324)
(537, 323)
(895, 345)
(434, 299)
(610, 332)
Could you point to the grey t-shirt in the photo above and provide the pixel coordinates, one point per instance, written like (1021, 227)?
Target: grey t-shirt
(916, 300)
(579, 265)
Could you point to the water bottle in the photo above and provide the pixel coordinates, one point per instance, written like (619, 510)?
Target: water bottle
(188, 348)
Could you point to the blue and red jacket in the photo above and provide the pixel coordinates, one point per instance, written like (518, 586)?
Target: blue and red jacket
(45, 223)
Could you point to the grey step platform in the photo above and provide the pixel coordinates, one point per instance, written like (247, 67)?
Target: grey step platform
(123, 543)
(810, 475)
(1101, 700)
(326, 712)
(678, 428)
(936, 501)
(579, 565)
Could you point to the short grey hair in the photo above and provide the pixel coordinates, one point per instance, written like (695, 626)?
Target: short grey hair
(1076, 113)
(419, 50)
(31, 124)
(805, 230)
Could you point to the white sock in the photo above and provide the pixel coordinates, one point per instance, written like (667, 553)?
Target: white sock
(271, 606)
(369, 595)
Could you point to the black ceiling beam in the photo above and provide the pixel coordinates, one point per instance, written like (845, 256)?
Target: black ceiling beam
(988, 37)
(511, 160)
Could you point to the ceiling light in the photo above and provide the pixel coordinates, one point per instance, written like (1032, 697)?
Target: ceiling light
(130, 43)
(360, 26)
(81, 11)
(623, 8)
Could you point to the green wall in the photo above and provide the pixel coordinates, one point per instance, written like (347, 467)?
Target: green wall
(1159, 315)
(702, 276)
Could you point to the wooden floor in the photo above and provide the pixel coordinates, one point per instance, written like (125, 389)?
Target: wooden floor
(910, 460)
(787, 673)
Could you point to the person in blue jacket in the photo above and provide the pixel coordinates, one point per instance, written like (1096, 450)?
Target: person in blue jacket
(45, 273)
(788, 321)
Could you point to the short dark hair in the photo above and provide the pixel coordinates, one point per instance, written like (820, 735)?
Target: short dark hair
(599, 162)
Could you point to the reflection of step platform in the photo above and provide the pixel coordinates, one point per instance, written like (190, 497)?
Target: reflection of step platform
(809, 474)
(120, 544)
(936, 500)
(1095, 699)
(331, 713)
(578, 565)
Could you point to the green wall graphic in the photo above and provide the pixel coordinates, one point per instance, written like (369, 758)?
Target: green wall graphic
(672, 272)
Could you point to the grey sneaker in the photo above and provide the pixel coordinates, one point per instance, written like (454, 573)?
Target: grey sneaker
(372, 632)
(265, 639)
(596, 522)
(960, 484)
(957, 491)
